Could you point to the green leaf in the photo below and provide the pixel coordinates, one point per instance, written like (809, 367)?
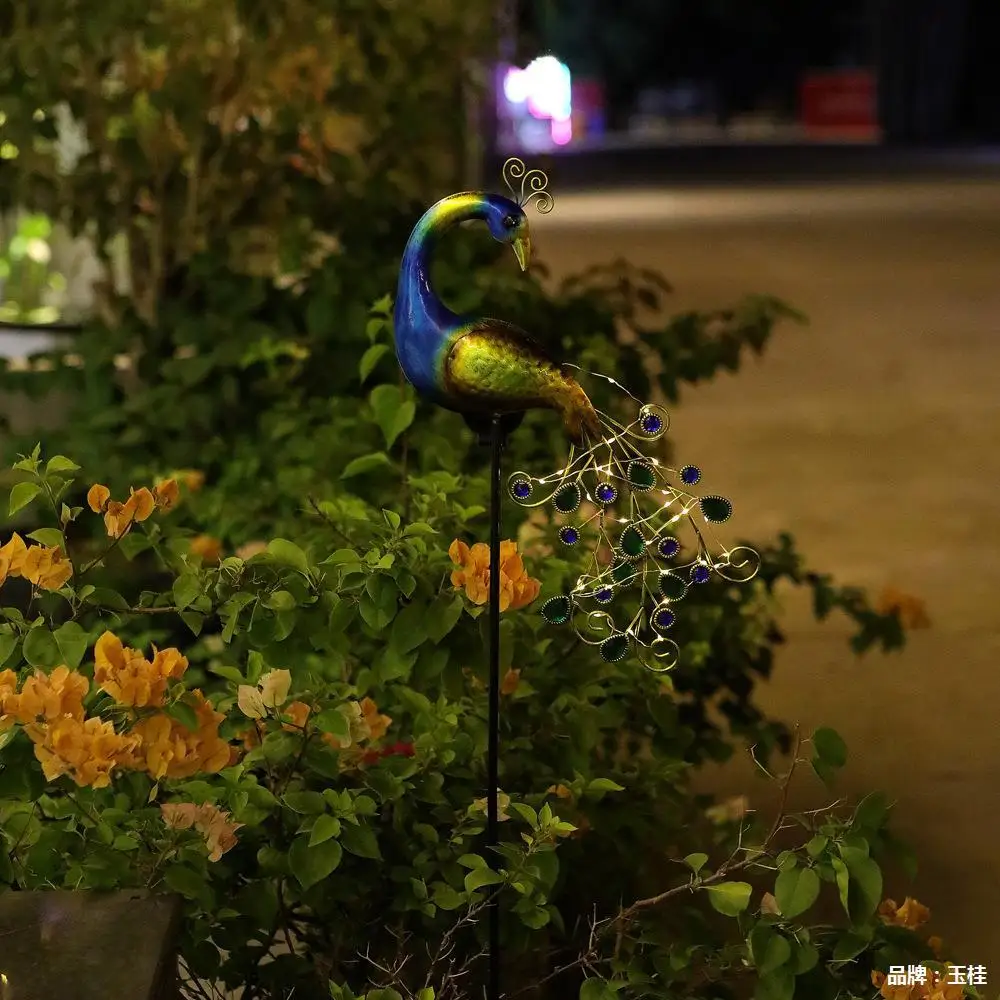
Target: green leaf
(866, 879)
(8, 642)
(360, 840)
(60, 463)
(72, 641)
(829, 747)
(324, 828)
(443, 616)
(184, 714)
(602, 785)
(777, 952)
(288, 554)
(779, 985)
(312, 864)
(393, 412)
(305, 802)
(696, 861)
(185, 881)
(872, 811)
(21, 495)
(479, 877)
(41, 649)
(806, 957)
(795, 890)
(447, 898)
(333, 722)
(194, 620)
(849, 946)
(366, 463)
(596, 989)
(843, 880)
(49, 537)
(186, 589)
(370, 359)
(729, 898)
(131, 545)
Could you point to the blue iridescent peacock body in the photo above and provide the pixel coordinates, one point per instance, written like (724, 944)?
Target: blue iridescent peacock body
(652, 536)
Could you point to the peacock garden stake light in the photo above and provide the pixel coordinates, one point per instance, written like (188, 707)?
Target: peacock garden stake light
(609, 490)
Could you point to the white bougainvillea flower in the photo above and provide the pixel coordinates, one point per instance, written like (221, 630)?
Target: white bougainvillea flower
(251, 701)
(271, 691)
(274, 687)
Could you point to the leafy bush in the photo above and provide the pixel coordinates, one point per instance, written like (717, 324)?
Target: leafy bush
(310, 778)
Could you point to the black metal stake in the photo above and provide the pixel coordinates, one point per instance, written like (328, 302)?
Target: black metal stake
(497, 431)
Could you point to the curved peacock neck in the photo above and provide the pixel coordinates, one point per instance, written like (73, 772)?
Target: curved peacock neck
(419, 311)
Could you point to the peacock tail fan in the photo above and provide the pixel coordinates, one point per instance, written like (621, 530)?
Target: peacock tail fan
(650, 538)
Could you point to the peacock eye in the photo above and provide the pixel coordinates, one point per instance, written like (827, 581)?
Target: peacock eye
(509, 222)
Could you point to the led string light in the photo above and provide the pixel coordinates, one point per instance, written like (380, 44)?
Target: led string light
(615, 476)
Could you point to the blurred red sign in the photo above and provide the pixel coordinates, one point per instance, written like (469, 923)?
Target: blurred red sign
(840, 104)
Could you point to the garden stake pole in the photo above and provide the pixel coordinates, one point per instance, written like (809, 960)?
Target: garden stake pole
(493, 745)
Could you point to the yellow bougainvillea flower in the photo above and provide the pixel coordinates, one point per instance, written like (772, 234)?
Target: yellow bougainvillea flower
(46, 568)
(251, 549)
(911, 914)
(503, 804)
(8, 692)
(911, 610)
(47, 697)
(168, 749)
(119, 517)
(364, 721)
(517, 589)
(166, 494)
(377, 724)
(98, 497)
(87, 751)
(12, 555)
(213, 823)
(193, 479)
(936, 987)
(209, 548)
(130, 678)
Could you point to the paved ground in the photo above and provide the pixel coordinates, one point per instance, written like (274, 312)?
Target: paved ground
(874, 435)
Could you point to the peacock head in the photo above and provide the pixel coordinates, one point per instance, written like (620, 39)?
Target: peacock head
(508, 224)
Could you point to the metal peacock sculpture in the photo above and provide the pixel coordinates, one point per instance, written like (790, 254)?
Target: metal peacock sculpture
(651, 535)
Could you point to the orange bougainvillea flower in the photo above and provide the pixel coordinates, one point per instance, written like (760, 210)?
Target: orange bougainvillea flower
(87, 751)
(168, 749)
(166, 494)
(129, 677)
(213, 823)
(911, 914)
(912, 611)
(510, 681)
(297, 713)
(119, 517)
(48, 697)
(46, 568)
(517, 589)
(209, 548)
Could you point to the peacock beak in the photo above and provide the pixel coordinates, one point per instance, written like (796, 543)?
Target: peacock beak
(522, 250)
